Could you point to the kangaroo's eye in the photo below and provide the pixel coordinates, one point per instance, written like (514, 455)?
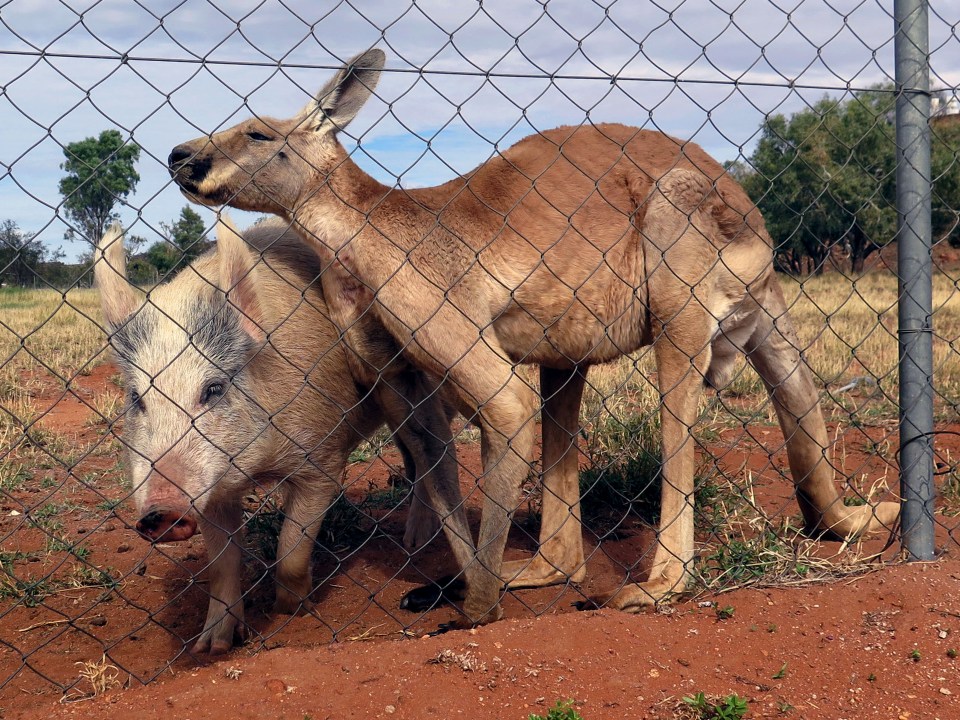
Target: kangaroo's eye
(258, 137)
(136, 401)
(211, 392)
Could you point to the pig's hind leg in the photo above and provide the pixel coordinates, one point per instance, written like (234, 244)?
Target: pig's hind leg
(305, 502)
(220, 525)
(432, 413)
(423, 523)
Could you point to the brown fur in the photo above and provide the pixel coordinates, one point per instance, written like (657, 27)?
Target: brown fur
(574, 247)
(292, 410)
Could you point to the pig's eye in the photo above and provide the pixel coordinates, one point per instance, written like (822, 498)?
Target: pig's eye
(211, 392)
(135, 400)
(258, 137)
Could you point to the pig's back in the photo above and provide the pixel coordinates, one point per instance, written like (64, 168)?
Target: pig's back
(307, 361)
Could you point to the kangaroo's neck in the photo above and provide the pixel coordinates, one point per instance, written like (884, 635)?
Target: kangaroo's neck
(337, 206)
(348, 206)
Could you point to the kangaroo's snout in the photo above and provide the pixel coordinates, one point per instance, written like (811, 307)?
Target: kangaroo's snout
(178, 156)
(186, 168)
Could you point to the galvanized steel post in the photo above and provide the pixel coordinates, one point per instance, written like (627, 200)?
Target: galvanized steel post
(915, 277)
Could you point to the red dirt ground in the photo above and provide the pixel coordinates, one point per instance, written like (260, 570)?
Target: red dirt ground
(831, 652)
(839, 650)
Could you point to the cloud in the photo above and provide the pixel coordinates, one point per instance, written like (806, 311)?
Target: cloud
(462, 79)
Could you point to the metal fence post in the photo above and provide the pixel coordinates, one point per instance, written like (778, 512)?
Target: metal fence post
(915, 276)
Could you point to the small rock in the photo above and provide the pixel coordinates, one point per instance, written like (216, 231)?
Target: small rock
(123, 547)
(943, 634)
(945, 691)
(98, 621)
(277, 686)
(390, 709)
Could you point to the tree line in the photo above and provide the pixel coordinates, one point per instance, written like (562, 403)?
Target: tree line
(100, 173)
(824, 179)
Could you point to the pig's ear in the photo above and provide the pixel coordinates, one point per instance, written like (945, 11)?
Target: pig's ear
(117, 296)
(238, 277)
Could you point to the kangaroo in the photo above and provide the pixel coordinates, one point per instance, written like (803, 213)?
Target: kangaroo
(575, 246)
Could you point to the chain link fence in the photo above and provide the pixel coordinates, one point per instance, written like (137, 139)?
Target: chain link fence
(451, 367)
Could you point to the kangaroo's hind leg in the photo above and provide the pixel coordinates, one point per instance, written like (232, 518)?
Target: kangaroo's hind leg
(559, 557)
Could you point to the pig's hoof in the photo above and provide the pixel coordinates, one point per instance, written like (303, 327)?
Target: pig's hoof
(287, 604)
(428, 597)
(220, 638)
(220, 647)
(291, 603)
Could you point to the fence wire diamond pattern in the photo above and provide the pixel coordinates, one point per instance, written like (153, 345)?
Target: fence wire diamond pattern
(502, 330)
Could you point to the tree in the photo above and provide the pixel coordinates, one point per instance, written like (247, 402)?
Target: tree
(825, 179)
(163, 256)
(21, 255)
(188, 234)
(141, 271)
(945, 166)
(132, 244)
(100, 173)
(185, 241)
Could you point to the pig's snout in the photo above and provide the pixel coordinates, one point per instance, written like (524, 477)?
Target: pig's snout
(161, 524)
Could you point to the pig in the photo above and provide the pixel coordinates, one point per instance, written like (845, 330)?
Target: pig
(236, 378)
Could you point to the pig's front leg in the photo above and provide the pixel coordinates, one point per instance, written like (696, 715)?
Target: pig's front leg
(220, 526)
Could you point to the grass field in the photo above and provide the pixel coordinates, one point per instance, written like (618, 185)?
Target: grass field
(46, 338)
(847, 331)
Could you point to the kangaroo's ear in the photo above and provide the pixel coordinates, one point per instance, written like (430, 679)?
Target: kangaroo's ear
(238, 277)
(339, 101)
(117, 296)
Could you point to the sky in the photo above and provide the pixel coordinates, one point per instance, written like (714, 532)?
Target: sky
(461, 81)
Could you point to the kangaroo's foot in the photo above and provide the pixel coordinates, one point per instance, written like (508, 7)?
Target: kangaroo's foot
(536, 571)
(664, 585)
(854, 522)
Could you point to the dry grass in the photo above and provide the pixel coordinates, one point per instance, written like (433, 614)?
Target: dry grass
(751, 549)
(466, 661)
(847, 331)
(47, 336)
(107, 408)
(46, 339)
(101, 675)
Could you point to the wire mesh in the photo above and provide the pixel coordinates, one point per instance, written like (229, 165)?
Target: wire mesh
(370, 357)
